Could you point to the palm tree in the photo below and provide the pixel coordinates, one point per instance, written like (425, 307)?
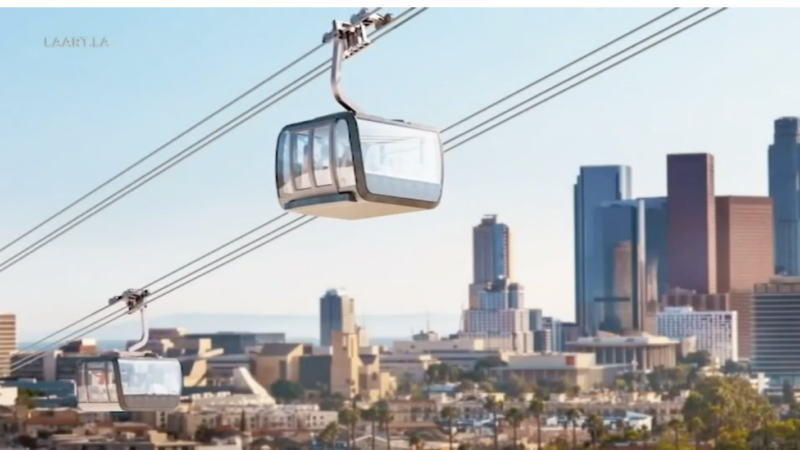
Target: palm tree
(370, 415)
(347, 417)
(536, 409)
(573, 415)
(328, 435)
(594, 424)
(515, 417)
(695, 426)
(385, 417)
(448, 413)
(491, 406)
(675, 425)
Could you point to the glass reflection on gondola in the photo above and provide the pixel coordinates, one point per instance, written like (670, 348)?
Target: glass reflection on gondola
(351, 165)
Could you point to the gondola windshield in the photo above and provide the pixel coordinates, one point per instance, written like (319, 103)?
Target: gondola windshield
(401, 161)
(149, 376)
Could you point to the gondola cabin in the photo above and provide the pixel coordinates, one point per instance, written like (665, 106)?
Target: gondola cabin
(115, 382)
(353, 166)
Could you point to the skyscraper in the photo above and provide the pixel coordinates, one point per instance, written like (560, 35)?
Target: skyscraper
(656, 239)
(337, 312)
(491, 256)
(595, 186)
(691, 215)
(745, 250)
(745, 256)
(621, 243)
(784, 188)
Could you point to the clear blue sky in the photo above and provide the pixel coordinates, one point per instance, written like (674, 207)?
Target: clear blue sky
(72, 117)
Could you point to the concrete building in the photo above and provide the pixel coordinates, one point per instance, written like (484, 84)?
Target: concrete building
(500, 318)
(776, 334)
(716, 331)
(8, 341)
(579, 369)
(784, 170)
(645, 352)
(461, 351)
(491, 256)
(594, 186)
(745, 256)
(337, 312)
(279, 362)
(692, 227)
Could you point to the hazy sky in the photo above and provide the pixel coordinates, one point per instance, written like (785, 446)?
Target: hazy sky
(71, 117)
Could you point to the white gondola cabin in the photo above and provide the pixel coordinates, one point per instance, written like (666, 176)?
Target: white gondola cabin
(353, 166)
(116, 382)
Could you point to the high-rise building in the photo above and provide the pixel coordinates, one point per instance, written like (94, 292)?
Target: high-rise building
(628, 283)
(491, 255)
(337, 312)
(535, 320)
(776, 336)
(595, 186)
(716, 331)
(501, 316)
(691, 215)
(784, 188)
(8, 341)
(745, 256)
(655, 219)
(745, 250)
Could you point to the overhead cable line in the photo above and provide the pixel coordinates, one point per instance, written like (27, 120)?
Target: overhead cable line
(192, 149)
(255, 244)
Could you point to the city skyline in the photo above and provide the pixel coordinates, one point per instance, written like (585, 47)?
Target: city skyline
(633, 115)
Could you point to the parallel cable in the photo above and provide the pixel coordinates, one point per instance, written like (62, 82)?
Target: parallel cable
(161, 148)
(316, 72)
(202, 143)
(184, 281)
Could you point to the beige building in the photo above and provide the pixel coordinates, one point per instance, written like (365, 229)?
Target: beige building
(279, 362)
(8, 341)
(645, 351)
(579, 369)
(353, 373)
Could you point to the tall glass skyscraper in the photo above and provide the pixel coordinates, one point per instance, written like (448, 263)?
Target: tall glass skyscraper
(337, 312)
(595, 186)
(656, 236)
(491, 256)
(784, 188)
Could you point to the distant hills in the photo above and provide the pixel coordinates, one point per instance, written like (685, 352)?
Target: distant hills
(296, 327)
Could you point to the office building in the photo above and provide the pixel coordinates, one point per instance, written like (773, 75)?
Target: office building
(337, 312)
(699, 302)
(691, 215)
(8, 341)
(501, 317)
(626, 294)
(716, 331)
(536, 321)
(644, 352)
(595, 186)
(745, 256)
(656, 228)
(542, 341)
(776, 334)
(745, 249)
(554, 326)
(784, 171)
(491, 255)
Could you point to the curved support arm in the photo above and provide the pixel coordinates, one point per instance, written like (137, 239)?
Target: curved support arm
(339, 50)
(145, 334)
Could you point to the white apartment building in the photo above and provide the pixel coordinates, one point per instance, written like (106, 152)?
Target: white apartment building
(716, 331)
(504, 329)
